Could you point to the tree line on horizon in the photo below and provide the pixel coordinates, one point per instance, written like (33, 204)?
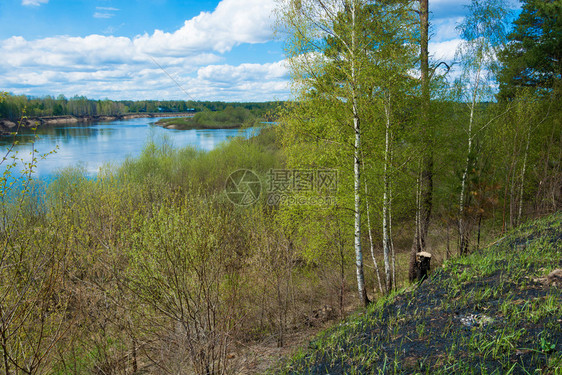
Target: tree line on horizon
(13, 107)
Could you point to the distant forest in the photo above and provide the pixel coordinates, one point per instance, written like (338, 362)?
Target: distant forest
(13, 107)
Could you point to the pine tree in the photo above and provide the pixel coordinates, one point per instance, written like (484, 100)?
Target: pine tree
(533, 57)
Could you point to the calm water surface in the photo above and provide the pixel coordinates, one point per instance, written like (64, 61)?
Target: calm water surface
(96, 144)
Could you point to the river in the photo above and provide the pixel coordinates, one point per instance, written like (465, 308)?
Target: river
(93, 145)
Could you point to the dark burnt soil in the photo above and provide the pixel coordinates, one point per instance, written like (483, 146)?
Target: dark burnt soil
(493, 312)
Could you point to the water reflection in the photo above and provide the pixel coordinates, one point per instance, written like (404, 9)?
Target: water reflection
(96, 144)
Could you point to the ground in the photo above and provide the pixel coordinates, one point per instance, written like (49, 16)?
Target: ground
(493, 312)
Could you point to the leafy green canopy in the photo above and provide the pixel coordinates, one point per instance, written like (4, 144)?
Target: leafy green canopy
(533, 57)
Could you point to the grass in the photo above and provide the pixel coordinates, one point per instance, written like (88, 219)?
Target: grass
(487, 313)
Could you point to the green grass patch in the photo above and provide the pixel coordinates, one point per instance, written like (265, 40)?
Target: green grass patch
(488, 313)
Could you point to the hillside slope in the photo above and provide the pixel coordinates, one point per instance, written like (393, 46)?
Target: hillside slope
(493, 312)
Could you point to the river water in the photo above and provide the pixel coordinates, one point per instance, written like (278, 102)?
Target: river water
(95, 144)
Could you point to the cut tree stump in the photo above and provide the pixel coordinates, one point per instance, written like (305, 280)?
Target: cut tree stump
(422, 265)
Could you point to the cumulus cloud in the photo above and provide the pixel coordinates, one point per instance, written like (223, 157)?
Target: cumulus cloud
(444, 51)
(232, 23)
(33, 2)
(138, 67)
(445, 38)
(244, 81)
(445, 29)
(244, 72)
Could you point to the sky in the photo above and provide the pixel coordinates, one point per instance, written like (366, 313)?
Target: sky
(160, 49)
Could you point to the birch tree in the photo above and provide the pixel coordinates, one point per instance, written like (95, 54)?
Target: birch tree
(483, 34)
(393, 90)
(331, 77)
(341, 54)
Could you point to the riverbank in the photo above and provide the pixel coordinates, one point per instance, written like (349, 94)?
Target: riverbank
(186, 123)
(229, 118)
(7, 126)
(94, 144)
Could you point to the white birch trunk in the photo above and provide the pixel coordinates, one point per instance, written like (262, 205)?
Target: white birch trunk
(390, 231)
(393, 254)
(371, 242)
(385, 207)
(463, 245)
(356, 167)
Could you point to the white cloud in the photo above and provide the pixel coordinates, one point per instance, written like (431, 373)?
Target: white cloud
(444, 51)
(33, 2)
(445, 29)
(105, 12)
(121, 67)
(243, 82)
(103, 15)
(244, 72)
(232, 23)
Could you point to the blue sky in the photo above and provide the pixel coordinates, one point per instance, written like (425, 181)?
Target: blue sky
(216, 50)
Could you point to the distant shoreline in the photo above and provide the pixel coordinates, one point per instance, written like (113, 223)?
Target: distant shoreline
(188, 124)
(8, 127)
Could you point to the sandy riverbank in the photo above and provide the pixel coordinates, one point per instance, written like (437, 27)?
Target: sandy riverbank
(7, 126)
